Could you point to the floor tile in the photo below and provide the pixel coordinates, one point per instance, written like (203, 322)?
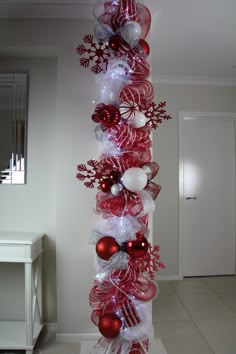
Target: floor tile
(229, 300)
(165, 287)
(223, 284)
(156, 346)
(182, 337)
(189, 286)
(168, 308)
(47, 345)
(220, 334)
(206, 306)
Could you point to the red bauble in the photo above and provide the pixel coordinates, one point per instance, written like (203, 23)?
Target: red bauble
(138, 247)
(115, 176)
(145, 47)
(106, 185)
(109, 325)
(115, 42)
(106, 247)
(110, 116)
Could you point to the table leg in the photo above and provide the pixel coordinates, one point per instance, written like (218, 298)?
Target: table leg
(28, 306)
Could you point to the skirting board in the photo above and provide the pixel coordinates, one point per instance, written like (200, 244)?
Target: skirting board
(156, 347)
(168, 277)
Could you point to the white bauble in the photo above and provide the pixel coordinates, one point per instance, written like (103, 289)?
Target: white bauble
(134, 179)
(131, 33)
(116, 188)
(138, 121)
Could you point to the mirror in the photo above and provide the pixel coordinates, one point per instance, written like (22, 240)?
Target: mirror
(13, 128)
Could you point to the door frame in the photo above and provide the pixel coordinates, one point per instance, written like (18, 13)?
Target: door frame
(182, 116)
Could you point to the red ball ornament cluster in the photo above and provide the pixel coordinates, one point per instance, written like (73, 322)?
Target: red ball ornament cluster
(137, 248)
(107, 246)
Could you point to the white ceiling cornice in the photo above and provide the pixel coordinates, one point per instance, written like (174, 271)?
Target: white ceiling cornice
(194, 80)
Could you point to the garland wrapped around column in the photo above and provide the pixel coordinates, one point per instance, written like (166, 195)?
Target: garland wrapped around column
(125, 116)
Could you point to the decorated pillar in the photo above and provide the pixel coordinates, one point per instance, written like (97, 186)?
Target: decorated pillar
(124, 118)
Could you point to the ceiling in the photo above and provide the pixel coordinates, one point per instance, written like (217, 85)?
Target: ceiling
(190, 40)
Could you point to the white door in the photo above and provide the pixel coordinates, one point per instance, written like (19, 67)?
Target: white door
(207, 203)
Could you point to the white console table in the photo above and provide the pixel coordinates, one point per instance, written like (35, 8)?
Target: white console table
(24, 247)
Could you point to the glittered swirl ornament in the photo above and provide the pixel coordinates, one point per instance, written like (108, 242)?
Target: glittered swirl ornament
(128, 110)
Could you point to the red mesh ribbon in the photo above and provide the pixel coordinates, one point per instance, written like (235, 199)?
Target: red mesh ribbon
(126, 137)
(126, 203)
(139, 66)
(129, 11)
(126, 12)
(153, 189)
(119, 346)
(109, 296)
(138, 92)
(123, 161)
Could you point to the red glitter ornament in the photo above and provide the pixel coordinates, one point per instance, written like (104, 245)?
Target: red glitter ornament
(115, 42)
(109, 325)
(137, 248)
(115, 176)
(106, 185)
(145, 47)
(110, 116)
(106, 247)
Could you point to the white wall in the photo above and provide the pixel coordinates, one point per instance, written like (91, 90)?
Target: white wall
(69, 209)
(31, 207)
(75, 143)
(165, 141)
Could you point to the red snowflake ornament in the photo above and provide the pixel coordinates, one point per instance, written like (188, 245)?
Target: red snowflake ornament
(155, 113)
(98, 53)
(95, 174)
(91, 174)
(149, 263)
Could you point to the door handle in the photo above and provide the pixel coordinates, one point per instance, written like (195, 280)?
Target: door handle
(189, 198)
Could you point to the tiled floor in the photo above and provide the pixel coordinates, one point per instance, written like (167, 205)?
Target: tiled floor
(197, 315)
(191, 316)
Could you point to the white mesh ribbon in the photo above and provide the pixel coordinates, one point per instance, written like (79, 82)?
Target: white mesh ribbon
(113, 80)
(143, 329)
(121, 228)
(113, 346)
